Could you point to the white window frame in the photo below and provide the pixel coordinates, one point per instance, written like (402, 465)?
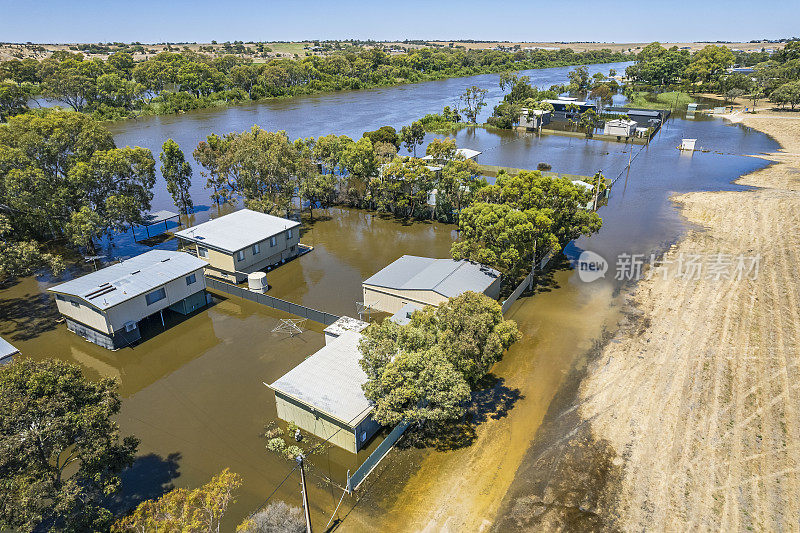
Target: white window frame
(202, 251)
(240, 255)
(289, 233)
(257, 248)
(273, 241)
(192, 277)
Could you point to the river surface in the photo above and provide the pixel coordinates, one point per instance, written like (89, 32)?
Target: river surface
(194, 395)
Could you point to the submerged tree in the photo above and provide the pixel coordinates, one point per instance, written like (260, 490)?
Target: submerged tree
(424, 371)
(62, 452)
(200, 509)
(177, 173)
(474, 99)
(277, 517)
(209, 154)
(413, 136)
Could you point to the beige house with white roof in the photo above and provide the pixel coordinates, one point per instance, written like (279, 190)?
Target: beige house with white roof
(242, 242)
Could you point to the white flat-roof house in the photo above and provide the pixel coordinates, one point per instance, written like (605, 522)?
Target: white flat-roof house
(427, 281)
(620, 127)
(242, 242)
(466, 153)
(106, 306)
(7, 351)
(533, 119)
(323, 395)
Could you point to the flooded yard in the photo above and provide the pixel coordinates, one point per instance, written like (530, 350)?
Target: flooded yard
(193, 391)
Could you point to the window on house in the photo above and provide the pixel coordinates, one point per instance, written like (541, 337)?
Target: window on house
(273, 241)
(155, 296)
(256, 248)
(289, 234)
(191, 278)
(240, 255)
(202, 252)
(74, 303)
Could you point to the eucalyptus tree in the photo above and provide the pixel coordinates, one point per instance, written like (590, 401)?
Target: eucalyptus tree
(178, 175)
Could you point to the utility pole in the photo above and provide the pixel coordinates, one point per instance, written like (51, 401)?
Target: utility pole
(597, 187)
(299, 460)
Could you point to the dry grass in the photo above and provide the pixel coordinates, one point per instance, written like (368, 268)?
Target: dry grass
(704, 405)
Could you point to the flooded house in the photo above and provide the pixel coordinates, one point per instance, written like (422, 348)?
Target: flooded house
(106, 306)
(427, 281)
(620, 127)
(344, 323)
(533, 119)
(323, 395)
(466, 153)
(241, 243)
(7, 351)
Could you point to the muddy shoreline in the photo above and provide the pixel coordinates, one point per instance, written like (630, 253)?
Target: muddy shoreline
(669, 424)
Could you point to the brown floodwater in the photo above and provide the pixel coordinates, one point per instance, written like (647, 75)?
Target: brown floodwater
(193, 392)
(194, 395)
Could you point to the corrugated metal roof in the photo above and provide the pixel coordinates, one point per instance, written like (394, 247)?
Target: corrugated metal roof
(6, 349)
(468, 153)
(403, 316)
(135, 276)
(237, 230)
(330, 380)
(159, 216)
(345, 323)
(443, 276)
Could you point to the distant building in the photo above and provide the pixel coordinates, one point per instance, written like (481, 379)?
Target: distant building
(427, 281)
(242, 242)
(466, 153)
(323, 395)
(344, 323)
(533, 119)
(105, 307)
(569, 108)
(7, 352)
(620, 127)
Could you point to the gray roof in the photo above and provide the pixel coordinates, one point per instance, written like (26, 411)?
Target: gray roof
(118, 283)
(235, 231)
(330, 381)
(403, 316)
(159, 216)
(443, 276)
(345, 323)
(6, 350)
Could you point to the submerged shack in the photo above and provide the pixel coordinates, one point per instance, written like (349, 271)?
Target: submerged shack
(106, 306)
(323, 395)
(427, 281)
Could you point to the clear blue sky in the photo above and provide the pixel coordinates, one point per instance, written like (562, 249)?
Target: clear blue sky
(266, 20)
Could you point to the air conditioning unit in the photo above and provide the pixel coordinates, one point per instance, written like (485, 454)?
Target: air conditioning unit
(130, 326)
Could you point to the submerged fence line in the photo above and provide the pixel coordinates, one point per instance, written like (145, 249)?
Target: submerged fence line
(375, 457)
(270, 301)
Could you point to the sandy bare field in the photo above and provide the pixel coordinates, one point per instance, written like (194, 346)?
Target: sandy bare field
(703, 405)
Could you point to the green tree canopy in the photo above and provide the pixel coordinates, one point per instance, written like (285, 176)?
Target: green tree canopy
(62, 452)
(423, 371)
(177, 173)
(189, 510)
